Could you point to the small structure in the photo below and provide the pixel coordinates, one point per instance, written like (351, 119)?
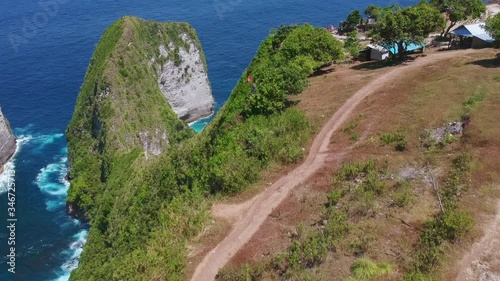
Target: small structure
(473, 35)
(367, 24)
(377, 52)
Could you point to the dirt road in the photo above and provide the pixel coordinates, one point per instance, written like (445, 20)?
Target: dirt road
(249, 216)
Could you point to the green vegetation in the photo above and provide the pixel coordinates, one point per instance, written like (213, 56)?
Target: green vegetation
(399, 138)
(364, 270)
(403, 26)
(446, 227)
(99, 134)
(350, 127)
(281, 68)
(459, 10)
(352, 43)
(354, 18)
(471, 101)
(142, 211)
(309, 249)
(373, 11)
(493, 27)
(403, 194)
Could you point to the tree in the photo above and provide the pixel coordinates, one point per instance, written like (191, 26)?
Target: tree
(403, 26)
(493, 27)
(352, 44)
(459, 10)
(354, 18)
(373, 11)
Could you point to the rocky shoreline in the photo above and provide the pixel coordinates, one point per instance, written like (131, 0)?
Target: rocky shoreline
(8, 143)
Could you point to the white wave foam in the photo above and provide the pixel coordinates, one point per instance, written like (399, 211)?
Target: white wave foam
(52, 181)
(7, 176)
(44, 140)
(73, 256)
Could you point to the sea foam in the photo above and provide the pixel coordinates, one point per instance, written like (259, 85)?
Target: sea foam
(8, 173)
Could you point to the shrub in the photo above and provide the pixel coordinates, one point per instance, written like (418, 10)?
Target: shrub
(389, 138)
(399, 138)
(337, 226)
(365, 269)
(350, 127)
(402, 199)
(334, 197)
(244, 273)
(352, 43)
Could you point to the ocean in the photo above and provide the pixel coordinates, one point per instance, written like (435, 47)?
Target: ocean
(45, 47)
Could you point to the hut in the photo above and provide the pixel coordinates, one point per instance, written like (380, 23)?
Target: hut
(473, 35)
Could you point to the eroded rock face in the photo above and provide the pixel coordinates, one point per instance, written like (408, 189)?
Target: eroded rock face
(184, 81)
(7, 141)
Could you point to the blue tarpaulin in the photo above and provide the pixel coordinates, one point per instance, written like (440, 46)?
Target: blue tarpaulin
(411, 47)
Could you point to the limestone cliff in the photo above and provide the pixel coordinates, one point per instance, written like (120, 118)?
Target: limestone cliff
(145, 81)
(184, 81)
(7, 141)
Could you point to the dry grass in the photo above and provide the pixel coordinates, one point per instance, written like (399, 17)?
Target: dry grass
(424, 99)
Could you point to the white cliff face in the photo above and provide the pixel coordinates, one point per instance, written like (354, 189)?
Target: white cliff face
(185, 85)
(7, 141)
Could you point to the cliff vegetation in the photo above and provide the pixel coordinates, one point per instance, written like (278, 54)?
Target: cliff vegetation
(142, 209)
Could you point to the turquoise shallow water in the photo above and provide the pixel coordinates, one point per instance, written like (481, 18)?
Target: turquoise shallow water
(45, 47)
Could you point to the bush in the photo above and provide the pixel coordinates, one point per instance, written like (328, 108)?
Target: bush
(399, 138)
(283, 63)
(350, 127)
(447, 227)
(352, 43)
(244, 273)
(365, 269)
(389, 138)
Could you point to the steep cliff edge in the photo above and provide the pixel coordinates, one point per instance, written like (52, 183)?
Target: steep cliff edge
(184, 80)
(142, 78)
(141, 177)
(7, 141)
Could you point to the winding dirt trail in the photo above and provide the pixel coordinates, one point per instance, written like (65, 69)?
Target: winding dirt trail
(249, 216)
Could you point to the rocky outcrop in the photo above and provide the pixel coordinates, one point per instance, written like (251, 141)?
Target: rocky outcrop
(146, 79)
(7, 141)
(184, 80)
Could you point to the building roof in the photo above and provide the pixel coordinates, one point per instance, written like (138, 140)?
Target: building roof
(378, 48)
(474, 30)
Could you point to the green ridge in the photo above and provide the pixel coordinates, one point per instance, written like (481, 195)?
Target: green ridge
(143, 213)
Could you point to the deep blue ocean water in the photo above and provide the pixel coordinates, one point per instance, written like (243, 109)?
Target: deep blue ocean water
(45, 47)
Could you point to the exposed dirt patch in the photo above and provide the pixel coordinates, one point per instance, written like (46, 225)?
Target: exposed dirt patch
(483, 261)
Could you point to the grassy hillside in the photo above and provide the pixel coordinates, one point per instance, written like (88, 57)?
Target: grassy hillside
(376, 215)
(108, 122)
(143, 213)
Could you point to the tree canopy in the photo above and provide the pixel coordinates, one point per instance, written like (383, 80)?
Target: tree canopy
(404, 26)
(459, 10)
(493, 27)
(373, 11)
(352, 43)
(354, 18)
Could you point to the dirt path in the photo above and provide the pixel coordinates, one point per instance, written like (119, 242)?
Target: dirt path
(482, 262)
(249, 216)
